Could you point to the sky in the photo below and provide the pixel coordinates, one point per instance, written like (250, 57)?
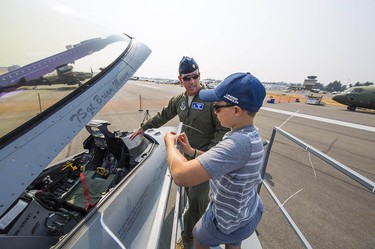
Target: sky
(275, 40)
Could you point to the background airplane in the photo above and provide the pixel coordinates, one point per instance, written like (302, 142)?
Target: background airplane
(35, 72)
(359, 96)
(63, 75)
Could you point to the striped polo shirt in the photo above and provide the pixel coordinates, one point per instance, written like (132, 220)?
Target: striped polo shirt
(234, 166)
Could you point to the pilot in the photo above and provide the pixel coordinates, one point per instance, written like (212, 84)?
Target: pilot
(201, 127)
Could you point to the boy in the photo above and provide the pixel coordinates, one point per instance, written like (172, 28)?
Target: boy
(232, 166)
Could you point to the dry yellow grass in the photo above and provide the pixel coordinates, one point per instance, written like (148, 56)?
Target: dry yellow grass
(292, 97)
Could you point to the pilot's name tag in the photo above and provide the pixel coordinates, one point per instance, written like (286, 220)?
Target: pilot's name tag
(197, 106)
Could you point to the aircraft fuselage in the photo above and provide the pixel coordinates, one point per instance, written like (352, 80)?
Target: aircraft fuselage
(360, 96)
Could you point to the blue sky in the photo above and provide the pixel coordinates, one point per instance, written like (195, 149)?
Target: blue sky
(276, 40)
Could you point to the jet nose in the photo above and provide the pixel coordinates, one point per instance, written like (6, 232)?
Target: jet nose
(339, 98)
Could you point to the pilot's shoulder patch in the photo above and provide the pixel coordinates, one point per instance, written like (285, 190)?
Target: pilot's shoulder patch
(183, 106)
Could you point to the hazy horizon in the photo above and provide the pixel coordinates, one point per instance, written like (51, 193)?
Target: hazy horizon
(275, 40)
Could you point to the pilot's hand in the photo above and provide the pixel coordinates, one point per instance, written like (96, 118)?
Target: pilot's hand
(140, 131)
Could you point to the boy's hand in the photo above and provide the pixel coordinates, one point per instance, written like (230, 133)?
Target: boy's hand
(183, 141)
(170, 138)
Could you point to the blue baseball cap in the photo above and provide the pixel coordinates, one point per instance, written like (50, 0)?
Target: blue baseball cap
(187, 65)
(241, 89)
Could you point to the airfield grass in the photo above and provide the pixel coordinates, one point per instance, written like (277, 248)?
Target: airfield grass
(295, 97)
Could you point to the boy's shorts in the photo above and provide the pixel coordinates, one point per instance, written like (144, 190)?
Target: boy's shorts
(207, 233)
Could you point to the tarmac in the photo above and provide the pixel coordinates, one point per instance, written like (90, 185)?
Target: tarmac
(330, 209)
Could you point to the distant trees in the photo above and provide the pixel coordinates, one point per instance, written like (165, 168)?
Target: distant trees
(331, 87)
(367, 83)
(319, 86)
(334, 86)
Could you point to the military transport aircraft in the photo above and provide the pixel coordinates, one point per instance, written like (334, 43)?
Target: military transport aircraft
(359, 96)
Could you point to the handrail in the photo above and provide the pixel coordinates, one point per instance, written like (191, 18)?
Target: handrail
(287, 216)
(367, 183)
(329, 160)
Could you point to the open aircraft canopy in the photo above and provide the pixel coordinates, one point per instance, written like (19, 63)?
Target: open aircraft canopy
(57, 70)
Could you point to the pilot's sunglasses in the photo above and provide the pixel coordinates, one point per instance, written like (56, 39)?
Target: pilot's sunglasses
(217, 107)
(189, 77)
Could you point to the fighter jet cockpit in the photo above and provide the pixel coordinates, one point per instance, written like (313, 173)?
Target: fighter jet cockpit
(58, 69)
(79, 182)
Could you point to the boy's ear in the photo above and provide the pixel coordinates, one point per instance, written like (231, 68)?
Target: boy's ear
(237, 110)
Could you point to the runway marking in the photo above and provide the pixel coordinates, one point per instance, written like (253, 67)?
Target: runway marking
(154, 87)
(327, 120)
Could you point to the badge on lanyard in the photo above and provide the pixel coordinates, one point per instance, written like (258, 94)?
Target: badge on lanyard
(197, 106)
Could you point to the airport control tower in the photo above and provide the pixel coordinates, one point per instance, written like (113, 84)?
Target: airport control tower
(309, 83)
